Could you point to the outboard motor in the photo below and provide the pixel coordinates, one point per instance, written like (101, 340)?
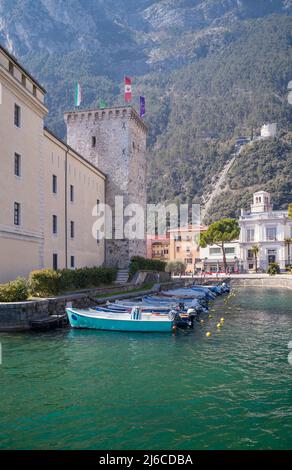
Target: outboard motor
(193, 315)
(136, 313)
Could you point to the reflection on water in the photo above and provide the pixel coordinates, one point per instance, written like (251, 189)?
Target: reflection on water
(100, 390)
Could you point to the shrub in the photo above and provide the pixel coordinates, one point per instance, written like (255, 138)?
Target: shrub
(47, 282)
(44, 282)
(14, 291)
(273, 268)
(139, 263)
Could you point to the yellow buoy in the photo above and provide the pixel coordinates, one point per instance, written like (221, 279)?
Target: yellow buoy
(208, 334)
(219, 325)
(222, 320)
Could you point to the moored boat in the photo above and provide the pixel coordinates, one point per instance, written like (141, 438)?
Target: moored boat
(135, 321)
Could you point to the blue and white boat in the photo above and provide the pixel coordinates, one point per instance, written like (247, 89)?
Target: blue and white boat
(120, 321)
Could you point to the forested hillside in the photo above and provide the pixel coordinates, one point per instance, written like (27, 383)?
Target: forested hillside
(210, 70)
(263, 165)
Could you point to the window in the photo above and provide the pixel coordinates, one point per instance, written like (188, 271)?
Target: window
(55, 224)
(54, 184)
(97, 207)
(72, 261)
(230, 250)
(272, 256)
(97, 237)
(166, 252)
(250, 266)
(271, 233)
(250, 235)
(250, 254)
(72, 229)
(177, 249)
(17, 117)
(34, 90)
(177, 238)
(11, 68)
(17, 164)
(71, 193)
(93, 141)
(23, 80)
(215, 251)
(188, 260)
(55, 261)
(16, 213)
(188, 249)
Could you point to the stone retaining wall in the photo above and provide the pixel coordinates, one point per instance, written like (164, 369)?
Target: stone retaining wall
(278, 282)
(17, 316)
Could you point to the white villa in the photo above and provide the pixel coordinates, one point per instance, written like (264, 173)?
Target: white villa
(212, 258)
(269, 230)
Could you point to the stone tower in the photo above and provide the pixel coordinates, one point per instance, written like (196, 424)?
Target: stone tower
(114, 140)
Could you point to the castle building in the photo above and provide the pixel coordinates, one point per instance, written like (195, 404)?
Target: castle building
(114, 140)
(48, 189)
(269, 230)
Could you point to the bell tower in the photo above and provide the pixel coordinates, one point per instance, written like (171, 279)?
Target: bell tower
(114, 140)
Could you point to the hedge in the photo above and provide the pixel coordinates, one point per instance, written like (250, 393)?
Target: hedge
(144, 264)
(14, 291)
(47, 282)
(44, 282)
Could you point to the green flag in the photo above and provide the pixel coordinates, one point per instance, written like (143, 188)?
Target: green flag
(102, 104)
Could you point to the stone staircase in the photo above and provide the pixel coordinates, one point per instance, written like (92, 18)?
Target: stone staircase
(122, 276)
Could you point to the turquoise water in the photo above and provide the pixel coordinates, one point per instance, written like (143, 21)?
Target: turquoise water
(100, 390)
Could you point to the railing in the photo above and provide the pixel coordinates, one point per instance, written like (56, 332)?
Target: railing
(266, 215)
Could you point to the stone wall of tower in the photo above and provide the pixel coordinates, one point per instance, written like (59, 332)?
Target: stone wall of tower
(114, 140)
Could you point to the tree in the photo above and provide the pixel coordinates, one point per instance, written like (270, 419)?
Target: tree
(219, 233)
(288, 242)
(255, 251)
(175, 267)
(290, 210)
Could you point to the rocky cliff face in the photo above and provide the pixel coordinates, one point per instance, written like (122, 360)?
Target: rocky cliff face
(148, 26)
(210, 70)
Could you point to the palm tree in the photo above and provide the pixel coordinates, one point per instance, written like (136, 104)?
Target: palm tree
(255, 251)
(288, 242)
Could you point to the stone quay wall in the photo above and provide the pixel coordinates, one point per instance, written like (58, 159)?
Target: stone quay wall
(17, 316)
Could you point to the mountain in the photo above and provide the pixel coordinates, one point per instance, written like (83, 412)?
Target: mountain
(211, 70)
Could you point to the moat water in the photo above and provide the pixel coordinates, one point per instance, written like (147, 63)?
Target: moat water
(99, 390)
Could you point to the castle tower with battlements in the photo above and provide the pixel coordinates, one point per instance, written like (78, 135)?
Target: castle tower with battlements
(114, 140)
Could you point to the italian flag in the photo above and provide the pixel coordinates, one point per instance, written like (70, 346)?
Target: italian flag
(128, 89)
(77, 94)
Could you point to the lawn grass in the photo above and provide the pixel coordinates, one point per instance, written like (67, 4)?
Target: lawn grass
(135, 289)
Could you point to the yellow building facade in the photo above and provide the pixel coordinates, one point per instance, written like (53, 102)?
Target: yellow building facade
(47, 190)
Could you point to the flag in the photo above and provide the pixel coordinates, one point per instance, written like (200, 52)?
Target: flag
(102, 104)
(142, 106)
(77, 94)
(128, 89)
